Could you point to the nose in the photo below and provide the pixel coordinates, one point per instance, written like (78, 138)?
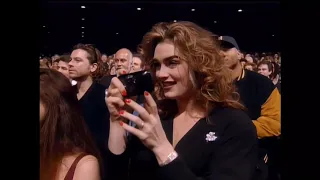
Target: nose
(162, 73)
(70, 63)
(118, 64)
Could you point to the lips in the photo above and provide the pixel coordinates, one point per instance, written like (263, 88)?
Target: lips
(168, 84)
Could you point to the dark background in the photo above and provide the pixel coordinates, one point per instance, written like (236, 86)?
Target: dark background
(256, 28)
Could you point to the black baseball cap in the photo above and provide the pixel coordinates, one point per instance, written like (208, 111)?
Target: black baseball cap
(228, 42)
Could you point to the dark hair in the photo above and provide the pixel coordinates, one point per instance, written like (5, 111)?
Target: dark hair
(48, 61)
(43, 64)
(269, 64)
(275, 70)
(254, 65)
(137, 55)
(243, 60)
(63, 130)
(64, 58)
(94, 57)
(105, 69)
(111, 56)
(200, 49)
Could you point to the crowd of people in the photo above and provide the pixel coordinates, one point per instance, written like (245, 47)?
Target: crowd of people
(214, 112)
(267, 64)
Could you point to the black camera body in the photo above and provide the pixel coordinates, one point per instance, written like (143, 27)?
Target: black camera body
(138, 82)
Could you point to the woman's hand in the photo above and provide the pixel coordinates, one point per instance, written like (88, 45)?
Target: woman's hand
(114, 98)
(114, 101)
(149, 128)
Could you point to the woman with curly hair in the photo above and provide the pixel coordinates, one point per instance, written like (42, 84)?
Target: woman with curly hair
(202, 131)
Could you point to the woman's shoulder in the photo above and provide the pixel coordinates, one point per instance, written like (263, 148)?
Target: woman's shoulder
(69, 159)
(233, 123)
(88, 164)
(229, 112)
(87, 168)
(87, 158)
(231, 117)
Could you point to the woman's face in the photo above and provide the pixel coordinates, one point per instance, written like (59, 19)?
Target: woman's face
(42, 111)
(171, 71)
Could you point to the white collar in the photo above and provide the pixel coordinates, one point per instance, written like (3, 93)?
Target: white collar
(73, 82)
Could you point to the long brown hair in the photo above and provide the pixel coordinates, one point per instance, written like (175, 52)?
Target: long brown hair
(254, 65)
(200, 49)
(45, 62)
(63, 130)
(94, 57)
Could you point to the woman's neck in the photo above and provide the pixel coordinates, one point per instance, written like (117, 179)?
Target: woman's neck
(188, 106)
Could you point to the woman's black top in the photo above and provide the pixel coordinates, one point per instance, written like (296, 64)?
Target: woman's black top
(220, 147)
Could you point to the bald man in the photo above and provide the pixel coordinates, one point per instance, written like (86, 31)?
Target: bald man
(123, 61)
(249, 59)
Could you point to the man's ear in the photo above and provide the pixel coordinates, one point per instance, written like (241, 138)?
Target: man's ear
(238, 54)
(93, 67)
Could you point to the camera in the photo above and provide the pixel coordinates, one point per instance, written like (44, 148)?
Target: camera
(138, 82)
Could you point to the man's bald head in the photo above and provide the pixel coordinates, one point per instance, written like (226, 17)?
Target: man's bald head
(123, 59)
(124, 51)
(249, 59)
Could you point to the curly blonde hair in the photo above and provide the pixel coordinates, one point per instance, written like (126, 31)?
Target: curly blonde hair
(200, 49)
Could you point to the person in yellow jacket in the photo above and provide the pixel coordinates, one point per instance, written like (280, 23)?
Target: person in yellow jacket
(261, 98)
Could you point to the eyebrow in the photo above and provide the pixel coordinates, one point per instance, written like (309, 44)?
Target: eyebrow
(77, 58)
(167, 58)
(119, 59)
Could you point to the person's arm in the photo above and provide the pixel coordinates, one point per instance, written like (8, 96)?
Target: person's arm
(268, 124)
(117, 153)
(117, 138)
(87, 169)
(235, 158)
